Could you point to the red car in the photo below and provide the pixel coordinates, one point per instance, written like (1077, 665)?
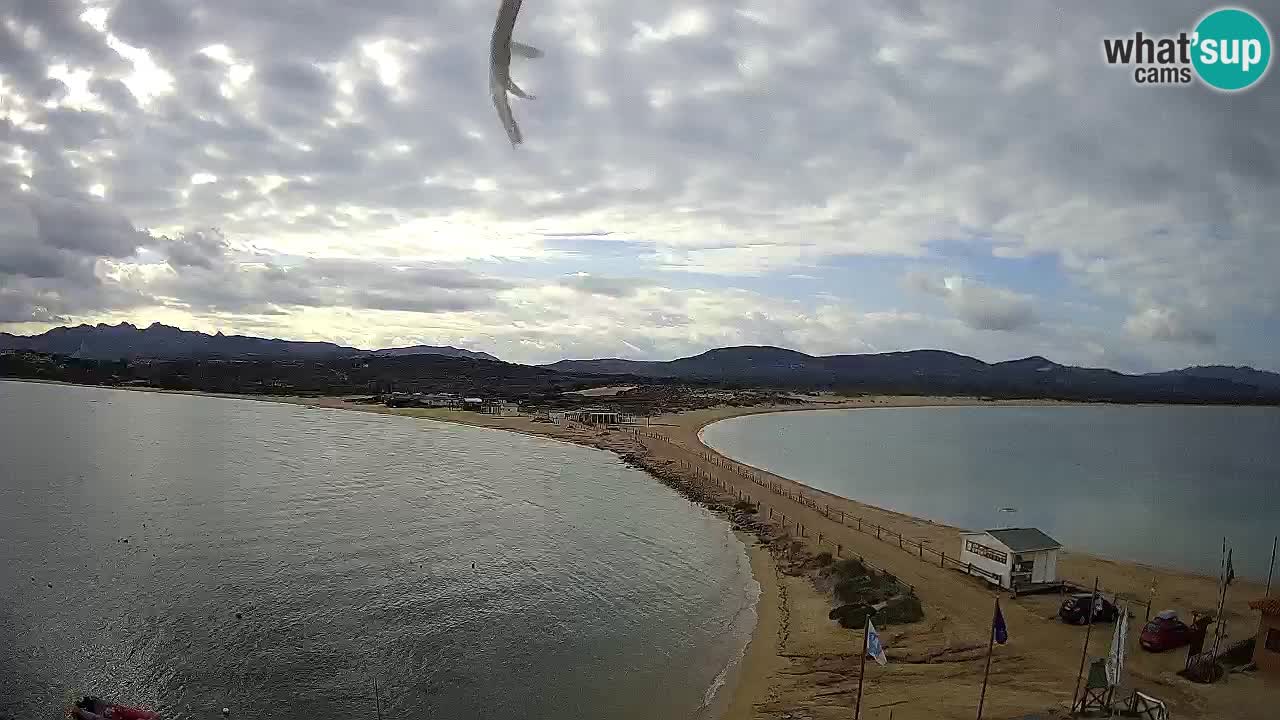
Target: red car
(1165, 632)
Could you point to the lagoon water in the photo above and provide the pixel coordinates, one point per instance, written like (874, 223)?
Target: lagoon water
(1160, 485)
(282, 561)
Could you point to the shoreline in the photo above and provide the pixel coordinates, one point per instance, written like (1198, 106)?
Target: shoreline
(798, 659)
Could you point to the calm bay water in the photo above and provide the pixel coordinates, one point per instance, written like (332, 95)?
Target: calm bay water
(1161, 485)
(345, 542)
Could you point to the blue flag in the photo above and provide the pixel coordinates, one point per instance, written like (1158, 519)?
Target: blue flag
(874, 649)
(998, 626)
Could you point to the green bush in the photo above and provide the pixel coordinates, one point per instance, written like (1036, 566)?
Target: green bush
(850, 567)
(853, 616)
(851, 590)
(902, 610)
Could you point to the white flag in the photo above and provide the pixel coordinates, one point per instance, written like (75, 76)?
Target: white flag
(1115, 660)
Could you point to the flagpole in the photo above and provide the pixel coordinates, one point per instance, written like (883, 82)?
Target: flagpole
(1227, 573)
(991, 644)
(1085, 651)
(862, 668)
(1272, 567)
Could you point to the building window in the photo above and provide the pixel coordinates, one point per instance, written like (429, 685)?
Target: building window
(986, 552)
(1273, 640)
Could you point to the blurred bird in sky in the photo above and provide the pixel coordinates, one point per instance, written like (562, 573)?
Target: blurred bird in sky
(501, 49)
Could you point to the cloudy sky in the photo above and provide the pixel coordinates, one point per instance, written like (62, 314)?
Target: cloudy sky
(832, 177)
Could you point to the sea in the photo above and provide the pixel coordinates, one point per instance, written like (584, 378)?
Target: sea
(195, 553)
(1162, 485)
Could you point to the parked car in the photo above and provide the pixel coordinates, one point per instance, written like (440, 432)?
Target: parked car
(1165, 632)
(1075, 609)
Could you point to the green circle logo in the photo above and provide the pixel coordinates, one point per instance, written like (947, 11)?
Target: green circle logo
(1232, 49)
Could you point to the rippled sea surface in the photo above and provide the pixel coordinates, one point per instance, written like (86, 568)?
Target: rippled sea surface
(1160, 485)
(282, 561)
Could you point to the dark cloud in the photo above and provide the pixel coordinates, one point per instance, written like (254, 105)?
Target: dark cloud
(614, 287)
(202, 249)
(1169, 325)
(979, 306)
(206, 274)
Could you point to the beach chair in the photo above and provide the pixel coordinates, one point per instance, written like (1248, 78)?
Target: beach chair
(1144, 706)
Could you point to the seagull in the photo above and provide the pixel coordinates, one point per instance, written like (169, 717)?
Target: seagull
(501, 49)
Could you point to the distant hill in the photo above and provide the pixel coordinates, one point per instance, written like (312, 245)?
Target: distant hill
(937, 371)
(1241, 375)
(126, 341)
(445, 350)
(366, 374)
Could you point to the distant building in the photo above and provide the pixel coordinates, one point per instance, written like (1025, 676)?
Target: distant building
(1266, 651)
(473, 403)
(501, 408)
(595, 416)
(1011, 557)
(444, 400)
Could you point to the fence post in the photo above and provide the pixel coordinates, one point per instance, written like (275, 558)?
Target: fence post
(819, 538)
(921, 549)
(942, 562)
(877, 532)
(859, 524)
(837, 549)
(899, 541)
(841, 517)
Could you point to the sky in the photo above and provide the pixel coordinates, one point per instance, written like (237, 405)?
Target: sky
(823, 175)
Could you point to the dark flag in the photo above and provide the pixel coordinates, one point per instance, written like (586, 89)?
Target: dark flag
(1231, 570)
(998, 626)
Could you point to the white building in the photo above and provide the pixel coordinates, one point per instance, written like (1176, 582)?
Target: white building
(1018, 557)
(501, 408)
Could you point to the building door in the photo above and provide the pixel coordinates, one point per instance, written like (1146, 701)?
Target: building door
(1038, 569)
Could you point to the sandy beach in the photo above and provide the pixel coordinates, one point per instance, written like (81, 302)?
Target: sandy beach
(800, 664)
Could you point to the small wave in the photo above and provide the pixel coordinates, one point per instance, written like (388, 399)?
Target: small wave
(745, 618)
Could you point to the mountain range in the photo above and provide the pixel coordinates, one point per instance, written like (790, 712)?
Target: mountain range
(126, 341)
(938, 371)
(909, 372)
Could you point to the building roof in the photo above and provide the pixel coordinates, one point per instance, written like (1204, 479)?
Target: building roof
(1024, 539)
(1268, 606)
